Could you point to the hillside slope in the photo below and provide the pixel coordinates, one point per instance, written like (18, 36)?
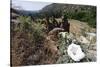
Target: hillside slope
(78, 27)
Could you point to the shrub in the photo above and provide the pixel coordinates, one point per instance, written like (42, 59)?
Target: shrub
(38, 32)
(25, 24)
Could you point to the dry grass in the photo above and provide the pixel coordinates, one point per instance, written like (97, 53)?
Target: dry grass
(37, 47)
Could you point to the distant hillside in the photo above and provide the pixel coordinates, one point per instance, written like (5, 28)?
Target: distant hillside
(24, 12)
(61, 8)
(84, 13)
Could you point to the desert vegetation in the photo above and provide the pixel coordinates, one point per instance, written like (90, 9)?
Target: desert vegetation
(44, 37)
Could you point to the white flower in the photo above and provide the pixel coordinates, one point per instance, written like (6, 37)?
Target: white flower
(63, 34)
(75, 52)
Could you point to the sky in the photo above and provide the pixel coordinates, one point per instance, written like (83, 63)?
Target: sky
(28, 5)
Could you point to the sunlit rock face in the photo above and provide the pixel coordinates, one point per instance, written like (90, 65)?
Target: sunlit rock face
(75, 52)
(82, 39)
(91, 35)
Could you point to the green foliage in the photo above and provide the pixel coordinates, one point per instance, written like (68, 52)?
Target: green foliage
(80, 15)
(35, 30)
(63, 44)
(25, 25)
(65, 16)
(38, 32)
(88, 16)
(78, 12)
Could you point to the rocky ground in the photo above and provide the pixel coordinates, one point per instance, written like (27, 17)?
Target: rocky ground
(78, 32)
(51, 49)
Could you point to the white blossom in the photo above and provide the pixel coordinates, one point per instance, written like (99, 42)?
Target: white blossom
(63, 34)
(75, 52)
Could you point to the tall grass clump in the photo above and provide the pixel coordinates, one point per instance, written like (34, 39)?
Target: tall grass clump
(25, 24)
(38, 32)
